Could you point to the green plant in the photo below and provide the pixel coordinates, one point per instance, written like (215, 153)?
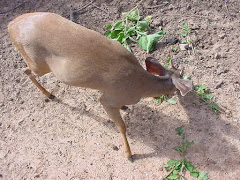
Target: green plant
(207, 97)
(201, 92)
(132, 29)
(175, 48)
(175, 168)
(215, 107)
(185, 30)
(162, 98)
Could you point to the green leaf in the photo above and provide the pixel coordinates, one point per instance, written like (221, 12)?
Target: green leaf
(189, 144)
(120, 37)
(108, 34)
(165, 2)
(173, 162)
(148, 18)
(194, 174)
(143, 42)
(126, 46)
(147, 42)
(215, 107)
(143, 25)
(190, 167)
(108, 27)
(180, 149)
(119, 25)
(169, 60)
(161, 98)
(114, 34)
(132, 15)
(166, 66)
(172, 101)
(173, 176)
(179, 130)
(175, 48)
(175, 172)
(132, 39)
(185, 77)
(131, 31)
(203, 175)
(183, 34)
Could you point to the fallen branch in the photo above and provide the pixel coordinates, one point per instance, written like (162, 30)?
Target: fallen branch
(227, 8)
(100, 8)
(3, 12)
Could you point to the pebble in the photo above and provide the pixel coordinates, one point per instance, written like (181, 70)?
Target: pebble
(115, 148)
(171, 41)
(183, 47)
(217, 56)
(218, 85)
(222, 36)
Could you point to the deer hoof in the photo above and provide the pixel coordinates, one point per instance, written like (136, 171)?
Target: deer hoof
(52, 97)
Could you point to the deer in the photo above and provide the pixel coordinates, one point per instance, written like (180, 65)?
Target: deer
(81, 57)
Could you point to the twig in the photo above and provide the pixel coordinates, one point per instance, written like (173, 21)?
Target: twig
(83, 7)
(156, 6)
(100, 8)
(170, 172)
(3, 12)
(186, 15)
(226, 5)
(73, 11)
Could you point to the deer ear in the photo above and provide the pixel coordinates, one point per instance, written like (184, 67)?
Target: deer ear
(184, 86)
(154, 67)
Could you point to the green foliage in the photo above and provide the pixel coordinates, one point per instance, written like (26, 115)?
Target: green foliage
(132, 29)
(206, 97)
(215, 107)
(201, 92)
(175, 168)
(175, 48)
(132, 15)
(147, 42)
(161, 98)
(185, 30)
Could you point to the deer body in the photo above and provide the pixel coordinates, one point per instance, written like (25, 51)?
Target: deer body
(82, 57)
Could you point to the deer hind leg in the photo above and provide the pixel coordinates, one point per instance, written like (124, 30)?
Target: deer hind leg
(38, 69)
(114, 114)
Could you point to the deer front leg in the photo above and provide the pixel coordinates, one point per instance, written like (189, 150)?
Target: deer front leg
(28, 72)
(114, 114)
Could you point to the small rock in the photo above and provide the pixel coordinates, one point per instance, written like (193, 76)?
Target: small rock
(171, 7)
(115, 148)
(222, 36)
(171, 41)
(189, 7)
(183, 47)
(219, 83)
(217, 56)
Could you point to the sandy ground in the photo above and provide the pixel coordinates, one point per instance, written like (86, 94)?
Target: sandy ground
(74, 139)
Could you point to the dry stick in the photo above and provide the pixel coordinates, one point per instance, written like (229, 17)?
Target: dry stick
(170, 172)
(151, 7)
(100, 8)
(226, 5)
(75, 11)
(3, 12)
(186, 15)
(72, 11)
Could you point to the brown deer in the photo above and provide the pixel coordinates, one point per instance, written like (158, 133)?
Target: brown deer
(78, 56)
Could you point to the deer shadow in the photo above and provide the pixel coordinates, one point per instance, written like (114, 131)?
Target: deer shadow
(155, 129)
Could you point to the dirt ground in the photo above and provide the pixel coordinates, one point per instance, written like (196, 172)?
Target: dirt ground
(74, 139)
